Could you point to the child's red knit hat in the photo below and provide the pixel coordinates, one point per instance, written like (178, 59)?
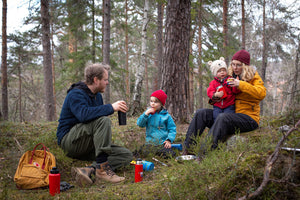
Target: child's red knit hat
(160, 95)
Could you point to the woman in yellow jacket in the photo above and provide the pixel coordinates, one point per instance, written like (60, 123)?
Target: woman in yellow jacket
(247, 108)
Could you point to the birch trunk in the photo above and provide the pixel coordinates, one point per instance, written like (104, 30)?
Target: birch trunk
(136, 103)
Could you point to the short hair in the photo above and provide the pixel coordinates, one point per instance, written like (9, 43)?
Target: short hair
(94, 70)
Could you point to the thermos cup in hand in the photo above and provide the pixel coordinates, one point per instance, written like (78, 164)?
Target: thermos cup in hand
(122, 118)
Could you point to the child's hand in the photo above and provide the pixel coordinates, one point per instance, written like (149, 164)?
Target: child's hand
(149, 111)
(219, 94)
(167, 144)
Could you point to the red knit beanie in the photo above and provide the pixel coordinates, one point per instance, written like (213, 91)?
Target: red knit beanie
(161, 95)
(242, 56)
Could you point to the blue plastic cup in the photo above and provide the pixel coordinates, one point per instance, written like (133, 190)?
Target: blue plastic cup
(177, 146)
(147, 166)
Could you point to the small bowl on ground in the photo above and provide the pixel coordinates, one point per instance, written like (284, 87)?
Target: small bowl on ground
(185, 158)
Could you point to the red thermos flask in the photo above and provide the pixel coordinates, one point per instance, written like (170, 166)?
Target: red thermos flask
(54, 181)
(138, 171)
(222, 89)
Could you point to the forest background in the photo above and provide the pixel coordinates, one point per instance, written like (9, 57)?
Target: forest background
(136, 48)
(153, 45)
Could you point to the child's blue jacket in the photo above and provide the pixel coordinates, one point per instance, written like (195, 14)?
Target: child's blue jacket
(159, 127)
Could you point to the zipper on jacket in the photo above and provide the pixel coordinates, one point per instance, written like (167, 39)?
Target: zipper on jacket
(159, 123)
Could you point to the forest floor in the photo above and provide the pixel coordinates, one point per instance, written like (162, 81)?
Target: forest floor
(233, 171)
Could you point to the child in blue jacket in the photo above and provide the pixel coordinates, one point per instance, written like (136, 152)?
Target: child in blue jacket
(160, 127)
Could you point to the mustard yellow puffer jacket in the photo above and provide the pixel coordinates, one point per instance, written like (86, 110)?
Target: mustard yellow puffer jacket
(252, 92)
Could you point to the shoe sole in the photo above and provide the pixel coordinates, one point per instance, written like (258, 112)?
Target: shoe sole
(100, 180)
(80, 178)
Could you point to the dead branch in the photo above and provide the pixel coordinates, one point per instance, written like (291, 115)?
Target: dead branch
(285, 182)
(19, 146)
(270, 161)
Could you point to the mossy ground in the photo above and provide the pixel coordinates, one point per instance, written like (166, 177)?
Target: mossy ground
(227, 173)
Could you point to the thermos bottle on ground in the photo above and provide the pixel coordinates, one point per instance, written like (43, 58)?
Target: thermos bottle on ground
(147, 166)
(138, 171)
(54, 181)
(177, 146)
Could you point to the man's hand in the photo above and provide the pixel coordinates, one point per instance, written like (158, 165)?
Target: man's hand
(120, 106)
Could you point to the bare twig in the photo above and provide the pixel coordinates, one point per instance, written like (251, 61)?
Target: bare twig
(270, 161)
(239, 158)
(19, 146)
(285, 182)
(164, 164)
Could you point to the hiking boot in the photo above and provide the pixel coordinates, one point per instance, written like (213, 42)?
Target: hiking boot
(82, 175)
(105, 172)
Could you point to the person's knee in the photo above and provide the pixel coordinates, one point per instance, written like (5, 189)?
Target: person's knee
(203, 112)
(223, 117)
(221, 127)
(127, 155)
(104, 120)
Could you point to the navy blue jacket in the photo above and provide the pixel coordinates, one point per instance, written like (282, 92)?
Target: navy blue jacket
(80, 106)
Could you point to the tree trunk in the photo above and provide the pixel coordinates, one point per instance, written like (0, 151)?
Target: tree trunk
(4, 62)
(47, 63)
(225, 30)
(20, 89)
(191, 96)
(243, 25)
(176, 58)
(127, 77)
(146, 81)
(136, 107)
(264, 56)
(200, 76)
(294, 101)
(159, 45)
(52, 59)
(93, 33)
(72, 40)
(106, 42)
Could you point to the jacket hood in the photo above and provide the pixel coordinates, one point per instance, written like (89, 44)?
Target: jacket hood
(82, 86)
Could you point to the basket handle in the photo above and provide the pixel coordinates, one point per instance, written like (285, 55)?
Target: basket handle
(32, 154)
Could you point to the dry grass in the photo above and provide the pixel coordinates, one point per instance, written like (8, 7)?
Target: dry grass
(227, 173)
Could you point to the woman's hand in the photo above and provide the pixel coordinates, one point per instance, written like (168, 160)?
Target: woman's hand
(235, 82)
(167, 144)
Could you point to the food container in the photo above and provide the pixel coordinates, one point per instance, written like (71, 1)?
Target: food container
(230, 79)
(185, 158)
